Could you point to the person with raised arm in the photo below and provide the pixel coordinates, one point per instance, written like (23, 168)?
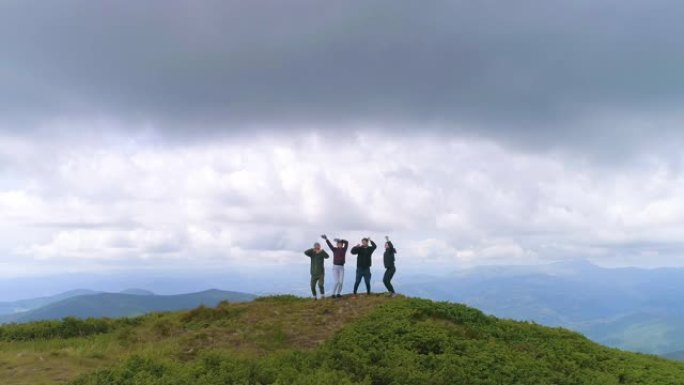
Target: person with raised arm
(317, 256)
(339, 255)
(390, 269)
(364, 253)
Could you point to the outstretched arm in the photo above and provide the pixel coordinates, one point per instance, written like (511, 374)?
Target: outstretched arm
(330, 245)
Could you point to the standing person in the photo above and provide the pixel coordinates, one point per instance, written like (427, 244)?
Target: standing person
(317, 256)
(339, 256)
(390, 269)
(363, 262)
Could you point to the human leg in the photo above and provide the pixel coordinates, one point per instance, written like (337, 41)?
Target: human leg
(367, 278)
(359, 275)
(338, 274)
(321, 285)
(313, 285)
(387, 278)
(341, 273)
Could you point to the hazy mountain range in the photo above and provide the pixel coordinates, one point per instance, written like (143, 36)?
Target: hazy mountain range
(628, 308)
(132, 302)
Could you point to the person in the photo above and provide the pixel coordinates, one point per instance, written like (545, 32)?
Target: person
(317, 256)
(363, 262)
(339, 256)
(390, 269)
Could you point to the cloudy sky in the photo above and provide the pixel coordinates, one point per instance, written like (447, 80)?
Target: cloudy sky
(233, 133)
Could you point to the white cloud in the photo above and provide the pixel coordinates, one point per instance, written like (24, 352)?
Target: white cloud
(446, 201)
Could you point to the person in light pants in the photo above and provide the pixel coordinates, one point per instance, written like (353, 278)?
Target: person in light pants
(339, 256)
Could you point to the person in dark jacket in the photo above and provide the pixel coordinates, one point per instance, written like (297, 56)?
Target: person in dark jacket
(390, 269)
(317, 256)
(339, 257)
(363, 262)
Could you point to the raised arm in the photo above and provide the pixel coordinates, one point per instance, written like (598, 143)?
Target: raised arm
(330, 245)
(309, 253)
(345, 244)
(373, 245)
(355, 249)
(391, 246)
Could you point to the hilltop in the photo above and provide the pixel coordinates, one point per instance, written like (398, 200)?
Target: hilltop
(289, 340)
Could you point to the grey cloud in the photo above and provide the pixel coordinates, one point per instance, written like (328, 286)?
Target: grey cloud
(119, 225)
(525, 72)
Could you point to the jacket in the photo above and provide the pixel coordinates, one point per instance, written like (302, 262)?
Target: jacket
(317, 261)
(339, 253)
(388, 257)
(364, 253)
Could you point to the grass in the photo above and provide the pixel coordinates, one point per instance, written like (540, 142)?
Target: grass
(247, 330)
(288, 340)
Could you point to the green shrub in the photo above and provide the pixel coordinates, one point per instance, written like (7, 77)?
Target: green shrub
(411, 342)
(68, 327)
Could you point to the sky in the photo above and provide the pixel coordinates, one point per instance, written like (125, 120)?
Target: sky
(230, 134)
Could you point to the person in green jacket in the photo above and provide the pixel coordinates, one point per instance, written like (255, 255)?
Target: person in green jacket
(317, 256)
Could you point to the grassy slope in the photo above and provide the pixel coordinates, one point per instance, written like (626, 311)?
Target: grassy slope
(246, 329)
(372, 340)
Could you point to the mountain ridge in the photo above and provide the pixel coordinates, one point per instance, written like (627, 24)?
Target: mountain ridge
(288, 340)
(114, 305)
(634, 309)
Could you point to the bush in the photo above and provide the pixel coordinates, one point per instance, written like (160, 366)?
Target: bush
(413, 342)
(68, 327)
(206, 315)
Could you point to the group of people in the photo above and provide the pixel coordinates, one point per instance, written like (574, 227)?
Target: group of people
(363, 251)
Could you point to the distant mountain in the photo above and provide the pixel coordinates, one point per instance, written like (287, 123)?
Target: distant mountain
(634, 309)
(137, 292)
(124, 305)
(34, 303)
(677, 356)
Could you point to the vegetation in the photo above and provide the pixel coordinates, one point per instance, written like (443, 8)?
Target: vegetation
(115, 305)
(286, 340)
(68, 327)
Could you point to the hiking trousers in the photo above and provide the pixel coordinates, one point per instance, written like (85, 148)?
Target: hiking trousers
(338, 276)
(364, 273)
(320, 280)
(389, 273)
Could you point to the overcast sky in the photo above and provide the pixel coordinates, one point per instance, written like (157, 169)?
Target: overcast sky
(233, 133)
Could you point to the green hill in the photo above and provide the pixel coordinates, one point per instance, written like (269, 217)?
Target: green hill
(34, 303)
(287, 340)
(124, 305)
